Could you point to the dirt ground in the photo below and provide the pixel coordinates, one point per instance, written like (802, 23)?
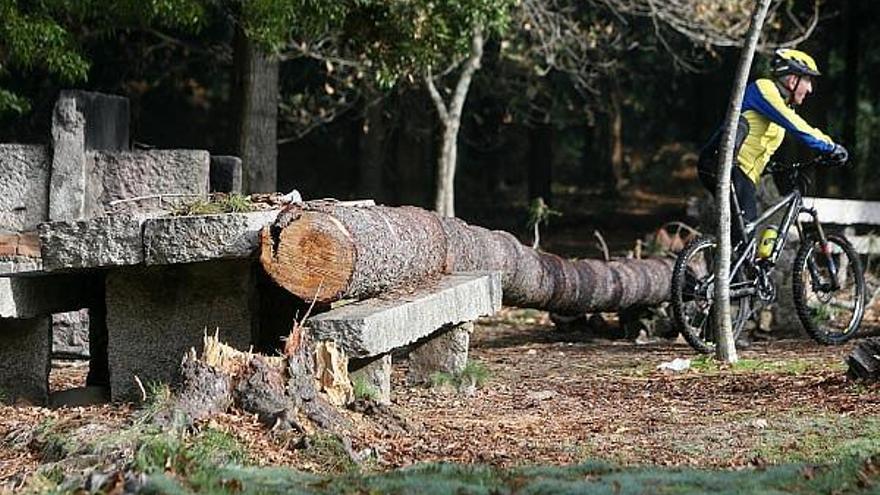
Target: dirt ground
(556, 397)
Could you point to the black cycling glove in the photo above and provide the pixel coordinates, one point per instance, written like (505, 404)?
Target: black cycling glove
(839, 155)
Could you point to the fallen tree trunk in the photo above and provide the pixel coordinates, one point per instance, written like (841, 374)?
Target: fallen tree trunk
(329, 252)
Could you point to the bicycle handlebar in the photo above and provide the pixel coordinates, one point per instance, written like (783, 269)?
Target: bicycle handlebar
(774, 167)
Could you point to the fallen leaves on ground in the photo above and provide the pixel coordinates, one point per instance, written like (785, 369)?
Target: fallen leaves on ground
(557, 398)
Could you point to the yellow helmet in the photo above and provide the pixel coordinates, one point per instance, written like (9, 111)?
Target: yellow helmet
(789, 61)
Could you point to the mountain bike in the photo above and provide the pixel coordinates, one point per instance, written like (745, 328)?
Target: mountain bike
(827, 277)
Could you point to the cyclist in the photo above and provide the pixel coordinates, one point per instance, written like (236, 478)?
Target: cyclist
(767, 113)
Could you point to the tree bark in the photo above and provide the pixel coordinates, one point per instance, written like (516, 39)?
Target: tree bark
(256, 90)
(726, 349)
(541, 163)
(280, 390)
(450, 119)
(615, 136)
(414, 154)
(371, 146)
(852, 24)
(330, 252)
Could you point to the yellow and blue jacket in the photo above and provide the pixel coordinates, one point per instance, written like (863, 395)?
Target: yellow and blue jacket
(764, 119)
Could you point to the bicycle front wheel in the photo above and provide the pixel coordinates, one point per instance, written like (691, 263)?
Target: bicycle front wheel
(693, 293)
(829, 306)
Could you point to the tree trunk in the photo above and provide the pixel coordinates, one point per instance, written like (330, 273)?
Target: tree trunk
(726, 349)
(541, 163)
(450, 119)
(615, 135)
(827, 181)
(852, 25)
(329, 252)
(256, 90)
(592, 155)
(414, 153)
(371, 146)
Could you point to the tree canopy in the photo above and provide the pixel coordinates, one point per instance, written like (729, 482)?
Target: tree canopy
(42, 35)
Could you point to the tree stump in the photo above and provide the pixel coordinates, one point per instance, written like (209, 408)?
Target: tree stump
(864, 360)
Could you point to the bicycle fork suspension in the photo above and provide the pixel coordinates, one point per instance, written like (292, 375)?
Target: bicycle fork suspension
(827, 255)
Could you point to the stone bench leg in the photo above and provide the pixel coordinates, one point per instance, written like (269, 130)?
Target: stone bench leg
(25, 350)
(374, 372)
(446, 351)
(156, 314)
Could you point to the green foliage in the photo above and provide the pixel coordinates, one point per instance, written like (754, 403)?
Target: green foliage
(10, 102)
(29, 40)
(41, 34)
(389, 38)
(276, 23)
(540, 212)
(418, 35)
(364, 389)
(823, 313)
(141, 446)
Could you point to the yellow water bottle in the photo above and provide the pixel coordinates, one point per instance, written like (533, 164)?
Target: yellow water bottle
(767, 242)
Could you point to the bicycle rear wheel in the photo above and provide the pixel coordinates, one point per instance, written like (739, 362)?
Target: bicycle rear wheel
(830, 315)
(693, 292)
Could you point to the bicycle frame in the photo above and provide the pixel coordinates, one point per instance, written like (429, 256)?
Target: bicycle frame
(747, 246)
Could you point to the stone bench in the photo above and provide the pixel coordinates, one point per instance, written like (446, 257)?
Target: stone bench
(125, 240)
(73, 190)
(436, 319)
(165, 281)
(848, 213)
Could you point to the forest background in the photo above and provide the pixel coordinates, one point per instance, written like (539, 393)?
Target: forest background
(576, 102)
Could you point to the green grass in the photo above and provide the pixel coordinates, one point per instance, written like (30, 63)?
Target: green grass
(818, 437)
(185, 453)
(708, 365)
(329, 455)
(851, 476)
(68, 447)
(363, 389)
(831, 452)
(474, 373)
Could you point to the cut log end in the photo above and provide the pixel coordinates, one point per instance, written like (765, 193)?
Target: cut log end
(314, 256)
